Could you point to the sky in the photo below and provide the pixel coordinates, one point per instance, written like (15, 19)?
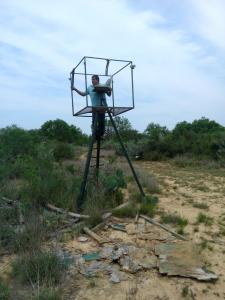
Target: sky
(178, 48)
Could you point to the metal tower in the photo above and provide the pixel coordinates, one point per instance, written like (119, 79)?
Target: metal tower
(111, 110)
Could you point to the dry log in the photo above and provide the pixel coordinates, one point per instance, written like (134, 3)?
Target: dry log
(62, 211)
(9, 201)
(96, 237)
(163, 227)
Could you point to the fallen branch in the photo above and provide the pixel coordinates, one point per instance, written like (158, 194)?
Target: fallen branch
(163, 227)
(9, 201)
(137, 217)
(66, 228)
(96, 237)
(62, 211)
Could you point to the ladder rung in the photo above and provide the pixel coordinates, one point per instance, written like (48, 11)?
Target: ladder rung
(100, 165)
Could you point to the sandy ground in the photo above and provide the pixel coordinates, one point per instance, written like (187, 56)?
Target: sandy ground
(181, 190)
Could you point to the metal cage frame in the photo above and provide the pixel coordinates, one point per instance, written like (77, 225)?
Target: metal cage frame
(115, 110)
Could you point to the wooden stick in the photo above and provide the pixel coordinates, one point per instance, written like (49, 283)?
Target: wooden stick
(96, 237)
(9, 201)
(163, 227)
(137, 217)
(62, 211)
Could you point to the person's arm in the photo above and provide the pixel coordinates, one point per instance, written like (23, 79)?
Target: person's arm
(79, 92)
(109, 92)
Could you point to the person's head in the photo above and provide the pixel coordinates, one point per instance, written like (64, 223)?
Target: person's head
(95, 79)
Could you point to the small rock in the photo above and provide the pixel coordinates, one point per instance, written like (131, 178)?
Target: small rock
(115, 277)
(82, 239)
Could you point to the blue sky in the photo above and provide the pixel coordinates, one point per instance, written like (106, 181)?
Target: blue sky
(178, 48)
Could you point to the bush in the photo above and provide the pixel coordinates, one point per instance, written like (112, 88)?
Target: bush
(7, 237)
(114, 181)
(51, 183)
(127, 211)
(4, 291)
(63, 151)
(39, 268)
(202, 218)
(174, 219)
(59, 130)
(49, 294)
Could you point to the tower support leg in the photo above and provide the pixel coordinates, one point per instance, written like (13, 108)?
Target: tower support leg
(126, 155)
(80, 199)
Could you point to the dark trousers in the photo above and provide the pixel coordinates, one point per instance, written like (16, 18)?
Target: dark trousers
(99, 130)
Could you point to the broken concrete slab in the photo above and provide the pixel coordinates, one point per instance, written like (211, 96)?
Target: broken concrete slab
(129, 265)
(117, 226)
(96, 267)
(92, 256)
(182, 259)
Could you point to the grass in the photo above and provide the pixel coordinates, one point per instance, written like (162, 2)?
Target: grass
(127, 211)
(148, 181)
(149, 206)
(148, 209)
(200, 205)
(4, 291)
(185, 291)
(204, 219)
(38, 268)
(49, 294)
(173, 219)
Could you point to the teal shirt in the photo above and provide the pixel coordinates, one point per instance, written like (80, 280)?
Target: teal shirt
(97, 99)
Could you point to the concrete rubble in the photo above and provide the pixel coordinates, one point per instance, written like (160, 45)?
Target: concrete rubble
(169, 255)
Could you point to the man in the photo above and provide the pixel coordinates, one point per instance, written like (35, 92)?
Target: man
(97, 99)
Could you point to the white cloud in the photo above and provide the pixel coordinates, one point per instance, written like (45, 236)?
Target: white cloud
(209, 20)
(176, 77)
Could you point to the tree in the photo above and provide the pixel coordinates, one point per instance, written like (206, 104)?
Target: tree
(59, 130)
(124, 127)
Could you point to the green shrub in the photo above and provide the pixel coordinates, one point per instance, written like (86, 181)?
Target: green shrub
(148, 181)
(127, 211)
(148, 209)
(32, 236)
(114, 180)
(7, 237)
(39, 268)
(63, 151)
(53, 185)
(59, 130)
(49, 294)
(202, 218)
(173, 219)
(9, 214)
(4, 291)
(149, 205)
(200, 205)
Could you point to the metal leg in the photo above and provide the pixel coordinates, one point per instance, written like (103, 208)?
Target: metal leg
(87, 166)
(98, 153)
(126, 155)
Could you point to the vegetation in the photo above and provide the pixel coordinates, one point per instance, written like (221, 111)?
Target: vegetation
(4, 291)
(39, 268)
(203, 218)
(188, 143)
(43, 166)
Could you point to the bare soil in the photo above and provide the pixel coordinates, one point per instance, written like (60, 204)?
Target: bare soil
(183, 191)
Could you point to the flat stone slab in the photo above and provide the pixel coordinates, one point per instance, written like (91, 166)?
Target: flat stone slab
(182, 259)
